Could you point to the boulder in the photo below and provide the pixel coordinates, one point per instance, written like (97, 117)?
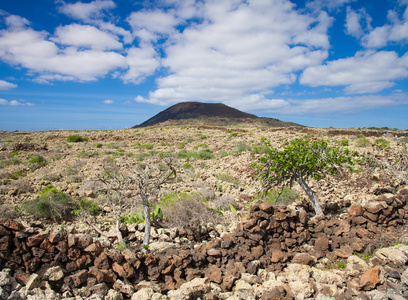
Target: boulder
(370, 279)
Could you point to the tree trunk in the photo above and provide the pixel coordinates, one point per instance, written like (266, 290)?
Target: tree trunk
(311, 194)
(118, 233)
(146, 238)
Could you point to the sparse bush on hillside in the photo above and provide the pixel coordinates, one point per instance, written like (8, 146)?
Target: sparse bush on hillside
(227, 178)
(36, 161)
(362, 142)
(283, 196)
(51, 205)
(75, 138)
(187, 210)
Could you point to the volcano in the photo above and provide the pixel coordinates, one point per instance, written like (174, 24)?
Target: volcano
(210, 111)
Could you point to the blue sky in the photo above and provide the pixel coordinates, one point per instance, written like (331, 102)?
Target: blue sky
(109, 64)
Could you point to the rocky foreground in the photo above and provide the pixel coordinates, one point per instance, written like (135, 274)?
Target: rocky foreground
(358, 251)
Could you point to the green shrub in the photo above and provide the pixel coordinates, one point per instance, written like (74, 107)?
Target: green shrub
(227, 178)
(382, 144)
(50, 205)
(89, 206)
(283, 196)
(242, 147)
(189, 155)
(205, 154)
(138, 218)
(259, 149)
(202, 136)
(75, 138)
(362, 142)
(36, 161)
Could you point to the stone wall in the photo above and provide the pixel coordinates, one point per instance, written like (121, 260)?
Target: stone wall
(269, 237)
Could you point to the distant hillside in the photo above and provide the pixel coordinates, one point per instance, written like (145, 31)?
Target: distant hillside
(214, 112)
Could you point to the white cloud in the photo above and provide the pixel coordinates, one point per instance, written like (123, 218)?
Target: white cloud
(5, 85)
(142, 62)
(32, 50)
(394, 32)
(366, 72)
(239, 50)
(14, 103)
(86, 36)
(342, 104)
(155, 22)
(87, 11)
(355, 21)
(108, 101)
(16, 22)
(318, 5)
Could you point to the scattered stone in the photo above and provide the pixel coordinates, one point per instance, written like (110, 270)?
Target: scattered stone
(370, 279)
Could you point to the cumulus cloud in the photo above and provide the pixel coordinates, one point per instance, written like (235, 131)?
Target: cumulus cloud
(142, 62)
(14, 103)
(366, 72)
(108, 101)
(87, 11)
(5, 85)
(240, 49)
(35, 51)
(325, 106)
(357, 22)
(341, 104)
(395, 31)
(86, 36)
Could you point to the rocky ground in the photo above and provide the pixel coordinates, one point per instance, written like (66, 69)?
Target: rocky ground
(252, 252)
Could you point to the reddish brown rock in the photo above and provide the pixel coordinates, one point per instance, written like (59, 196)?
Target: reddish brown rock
(79, 278)
(213, 273)
(102, 261)
(266, 207)
(228, 282)
(56, 235)
(94, 248)
(11, 224)
(125, 270)
(345, 251)
(278, 256)
(370, 279)
(355, 210)
(4, 231)
(322, 244)
(304, 259)
(36, 239)
(5, 243)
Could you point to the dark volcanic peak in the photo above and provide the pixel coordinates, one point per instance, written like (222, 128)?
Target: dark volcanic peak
(198, 110)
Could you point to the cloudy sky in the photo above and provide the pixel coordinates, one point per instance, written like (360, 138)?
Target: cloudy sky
(109, 64)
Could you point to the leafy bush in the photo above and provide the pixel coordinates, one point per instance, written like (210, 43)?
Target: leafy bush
(189, 155)
(205, 154)
(382, 144)
(259, 149)
(362, 142)
(283, 196)
(299, 161)
(89, 206)
(51, 205)
(36, 161)
(242, 147)
(75, 138)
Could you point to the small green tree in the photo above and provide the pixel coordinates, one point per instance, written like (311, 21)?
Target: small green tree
(299, 161)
